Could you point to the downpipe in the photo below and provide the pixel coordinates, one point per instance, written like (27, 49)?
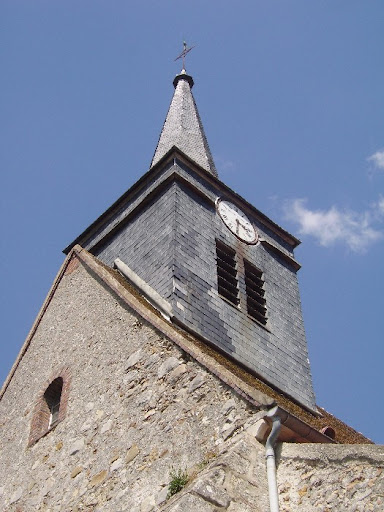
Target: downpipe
(271, 460)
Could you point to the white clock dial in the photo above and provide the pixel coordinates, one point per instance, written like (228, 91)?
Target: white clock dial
(236, 221)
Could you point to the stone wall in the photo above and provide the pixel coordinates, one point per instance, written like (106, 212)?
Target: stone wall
(313, 477)
(234, 481)
(137, 407)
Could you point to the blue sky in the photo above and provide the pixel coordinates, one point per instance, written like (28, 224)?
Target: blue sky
(291, 98)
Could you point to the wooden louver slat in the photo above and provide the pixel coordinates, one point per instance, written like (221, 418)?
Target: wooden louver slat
(255, 293)
(227, 283)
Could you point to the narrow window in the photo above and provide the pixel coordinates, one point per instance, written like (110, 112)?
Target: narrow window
(52, 398)
(255, 293)
(51, 406)
(227, 284)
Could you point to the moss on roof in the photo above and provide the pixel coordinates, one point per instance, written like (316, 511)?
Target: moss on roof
(343, 433)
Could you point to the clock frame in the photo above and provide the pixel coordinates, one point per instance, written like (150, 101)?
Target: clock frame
(236, 221)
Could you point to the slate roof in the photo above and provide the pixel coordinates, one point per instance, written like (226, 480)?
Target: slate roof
(183, 127)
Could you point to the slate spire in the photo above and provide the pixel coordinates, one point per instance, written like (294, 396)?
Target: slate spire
(183, 127)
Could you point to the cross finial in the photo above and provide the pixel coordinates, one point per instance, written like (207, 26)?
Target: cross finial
(184, 53)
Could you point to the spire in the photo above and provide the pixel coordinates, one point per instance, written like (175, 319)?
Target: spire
(183, 127)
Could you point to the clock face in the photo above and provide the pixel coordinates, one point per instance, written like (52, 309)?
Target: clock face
(236, 221)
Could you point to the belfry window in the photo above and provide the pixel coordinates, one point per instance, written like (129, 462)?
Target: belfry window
(52, 398)
(254, 286)
(227, 283)
(228, 276)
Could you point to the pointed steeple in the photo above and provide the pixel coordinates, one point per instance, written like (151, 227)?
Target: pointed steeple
(183, 127)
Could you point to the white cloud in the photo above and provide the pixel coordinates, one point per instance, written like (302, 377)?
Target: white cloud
(380, 206)
(377, 159)
(332, 226)
(377, 209)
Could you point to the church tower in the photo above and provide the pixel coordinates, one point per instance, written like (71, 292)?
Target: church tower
(226, 270)
(169, 357)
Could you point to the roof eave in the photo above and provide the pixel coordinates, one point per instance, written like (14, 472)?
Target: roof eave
(170, 156)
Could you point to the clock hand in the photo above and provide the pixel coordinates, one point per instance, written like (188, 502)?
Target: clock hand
(237, 226)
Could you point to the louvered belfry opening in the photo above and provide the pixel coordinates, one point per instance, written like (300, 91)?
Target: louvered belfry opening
(255, 293)
(227, 283)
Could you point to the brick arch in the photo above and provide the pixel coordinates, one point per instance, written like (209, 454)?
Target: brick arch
(40, 424)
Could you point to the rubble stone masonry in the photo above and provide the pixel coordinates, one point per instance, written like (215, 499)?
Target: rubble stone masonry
(138, 407)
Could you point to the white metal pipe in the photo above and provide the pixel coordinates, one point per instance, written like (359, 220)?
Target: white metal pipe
(271, 461)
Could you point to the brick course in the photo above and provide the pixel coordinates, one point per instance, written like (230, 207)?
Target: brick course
(41, 412)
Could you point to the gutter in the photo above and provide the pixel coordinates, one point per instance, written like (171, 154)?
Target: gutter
(271, 460)
(279, 418)
(302, 429)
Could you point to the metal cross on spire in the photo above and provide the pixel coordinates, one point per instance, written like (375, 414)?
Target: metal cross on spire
(184, 53)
